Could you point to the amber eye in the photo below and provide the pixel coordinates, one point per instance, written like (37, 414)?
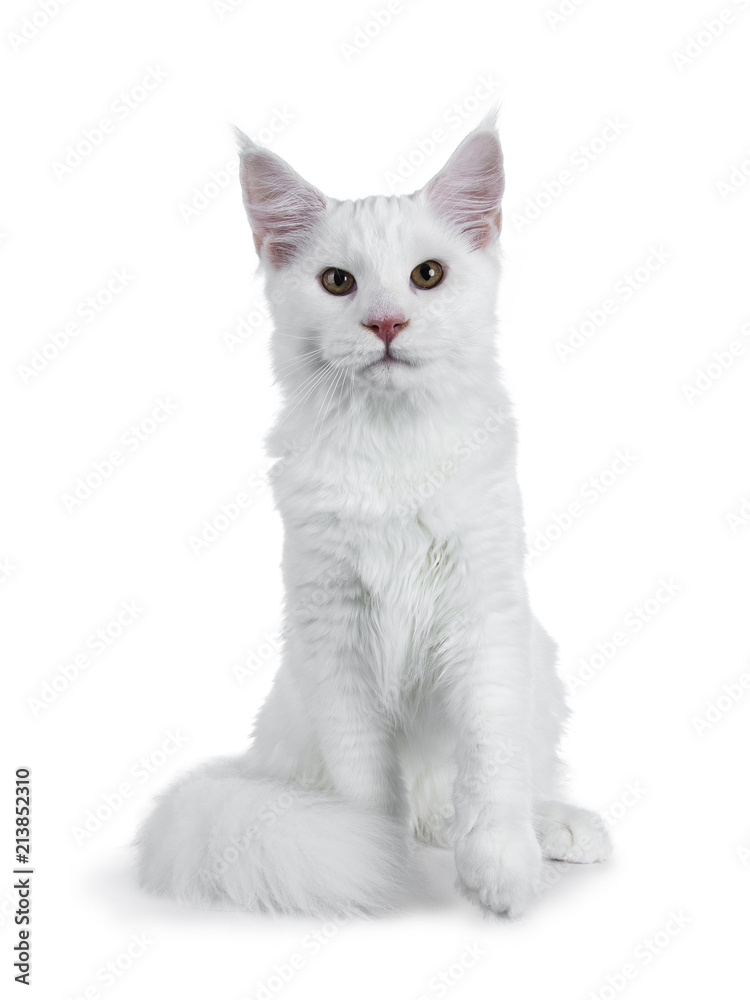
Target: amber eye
(427, 274)
(336, 281)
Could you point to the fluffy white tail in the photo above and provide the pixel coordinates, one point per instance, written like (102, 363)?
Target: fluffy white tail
(221, 836)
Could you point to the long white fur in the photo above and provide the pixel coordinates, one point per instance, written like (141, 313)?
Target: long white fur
(417, 693)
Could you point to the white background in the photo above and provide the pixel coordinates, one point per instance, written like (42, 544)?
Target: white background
(344, 107)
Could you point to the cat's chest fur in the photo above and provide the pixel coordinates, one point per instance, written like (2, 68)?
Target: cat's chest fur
(413, 484)
(396, 500)
(391, 505)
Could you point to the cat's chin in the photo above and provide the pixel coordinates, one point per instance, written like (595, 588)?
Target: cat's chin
(390, 374)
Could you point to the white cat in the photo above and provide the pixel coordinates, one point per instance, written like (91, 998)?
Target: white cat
(417, 693)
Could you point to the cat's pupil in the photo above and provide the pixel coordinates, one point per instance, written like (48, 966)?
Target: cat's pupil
(426, 271)
(338, 277)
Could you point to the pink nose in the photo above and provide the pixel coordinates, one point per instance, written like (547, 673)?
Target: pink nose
(387, 327)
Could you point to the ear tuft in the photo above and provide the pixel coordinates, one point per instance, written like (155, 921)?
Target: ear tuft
(283, 209)
(468, 190)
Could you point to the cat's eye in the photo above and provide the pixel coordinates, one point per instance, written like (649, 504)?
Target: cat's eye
(336, 281)
(427, 274)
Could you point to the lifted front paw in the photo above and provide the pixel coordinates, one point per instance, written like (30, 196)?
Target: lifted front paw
(499, 867)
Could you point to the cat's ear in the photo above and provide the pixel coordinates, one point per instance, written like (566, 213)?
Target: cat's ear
(468, 190)
(283, 209)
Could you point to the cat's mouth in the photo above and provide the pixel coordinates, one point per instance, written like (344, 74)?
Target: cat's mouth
(388, 360)
(389, 372)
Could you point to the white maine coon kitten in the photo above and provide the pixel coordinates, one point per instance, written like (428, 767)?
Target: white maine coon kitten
(417, 694)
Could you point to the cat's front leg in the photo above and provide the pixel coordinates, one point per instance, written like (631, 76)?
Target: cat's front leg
(498, 857)
(356, 743)
(330, 650)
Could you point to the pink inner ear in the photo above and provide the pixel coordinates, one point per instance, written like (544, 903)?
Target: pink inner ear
(468, 190)
(283, 209)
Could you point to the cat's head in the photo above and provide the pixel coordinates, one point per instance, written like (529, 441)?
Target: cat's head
(389, 294)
